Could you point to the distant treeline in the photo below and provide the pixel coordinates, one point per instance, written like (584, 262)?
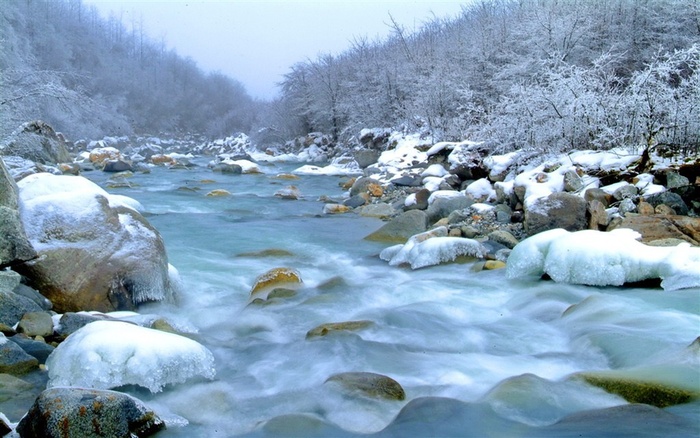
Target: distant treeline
(539, 74)
(545, 74)
(90, 77)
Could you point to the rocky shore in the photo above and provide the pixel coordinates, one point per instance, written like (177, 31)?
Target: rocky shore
(71, 253)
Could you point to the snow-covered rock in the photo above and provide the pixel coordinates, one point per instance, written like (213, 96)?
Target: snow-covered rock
(431, 248)
(604, 259)
(96, 251)
(109, 354)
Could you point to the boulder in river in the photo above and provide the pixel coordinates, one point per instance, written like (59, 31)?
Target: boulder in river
(334, 327)
(658, 227)
(370, 384)
(97, 252)
(74, 412)
(558, 210)
(38, 142)
(275, 278)
(402, 227)
(14, 245)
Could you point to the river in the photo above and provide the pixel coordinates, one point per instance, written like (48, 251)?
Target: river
(493, 353)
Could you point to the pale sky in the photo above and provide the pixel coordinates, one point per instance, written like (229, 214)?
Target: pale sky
(256, 42)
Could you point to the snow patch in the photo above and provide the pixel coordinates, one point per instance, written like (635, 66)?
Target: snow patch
(109, 354)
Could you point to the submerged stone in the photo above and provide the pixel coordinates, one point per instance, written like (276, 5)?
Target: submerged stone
(636, 390)
(370, 384)
(332, 327)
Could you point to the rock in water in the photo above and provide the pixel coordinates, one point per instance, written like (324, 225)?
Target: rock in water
(371, 384)
(14, 245)
(275, 278)
(334, 327)
(97, 253)
(402, 227)
(78, 412)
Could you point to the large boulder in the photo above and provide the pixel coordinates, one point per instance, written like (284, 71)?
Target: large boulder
(558, 210)
(64, 412)
(659, 227)
(96, 252)
(402, 227)
(14, 245)
(38, 142)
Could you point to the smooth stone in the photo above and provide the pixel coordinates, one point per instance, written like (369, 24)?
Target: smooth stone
(71, 322)
(370, 384)
(13, 306)
(442, 207)
(503, 237)
(333, 327)
(13, 359)
(558, 210)
(336, 209)
(218, 193)
(39, 350)
(36, 324)
(492, 265)
(673, 200)
(636, 390)
(401, 227)
(274, 278)
(657, 227)
(379, 210)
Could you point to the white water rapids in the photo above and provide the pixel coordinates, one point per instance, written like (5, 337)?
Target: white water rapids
(494, 353)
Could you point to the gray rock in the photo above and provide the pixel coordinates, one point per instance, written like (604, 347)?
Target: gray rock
(458, 216)
(38, 142)
(558, 210)
(442, 207)
(626, 192)
(117, 166)
(408, 180)
(503, 213)
(79, 412)
(504, 238)
(27, 292)
(9, 280)
(13, 360)
(355, 201)
(36, 324)
(674, 180)
(366, 157)
(572, 181)
(598, 195)
(401, 227)
(379, 210)
(673, 200)
(627, 206)
(14, 244)
(70, 322)
(13, 306)
(37, 349)
(231, 169)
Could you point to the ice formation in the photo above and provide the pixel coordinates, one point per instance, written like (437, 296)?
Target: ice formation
(431, 248)
(109, 354)
(598, 258)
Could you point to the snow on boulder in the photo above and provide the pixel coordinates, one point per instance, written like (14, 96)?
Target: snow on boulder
(598, 258)
(405, 154)
(247, 166)
(432, 248)
(96, 251)
(109, 354)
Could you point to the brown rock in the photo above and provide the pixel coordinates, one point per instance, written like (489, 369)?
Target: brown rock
(275, 278)
(598, 216)
(657, 227)
(36, 324)
(350, 326)
(645, 209)
(558, 210)
(373, 385)
(491, 265)
(599, 195)
(664, 209)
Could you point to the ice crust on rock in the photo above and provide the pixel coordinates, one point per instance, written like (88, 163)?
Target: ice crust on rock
(431, 248)
(597, 258)
(109, 354)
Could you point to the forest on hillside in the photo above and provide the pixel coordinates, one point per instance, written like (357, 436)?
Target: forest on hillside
(543, 74)
(549, 75)
(89, 77)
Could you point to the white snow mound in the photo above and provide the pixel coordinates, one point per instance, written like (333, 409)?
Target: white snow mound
(109, 354)
(431, 248)
(597, 258)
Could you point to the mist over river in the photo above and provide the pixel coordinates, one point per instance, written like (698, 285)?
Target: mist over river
(477, 354)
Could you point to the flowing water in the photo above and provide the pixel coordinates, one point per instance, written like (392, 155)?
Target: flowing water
(477, 354)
